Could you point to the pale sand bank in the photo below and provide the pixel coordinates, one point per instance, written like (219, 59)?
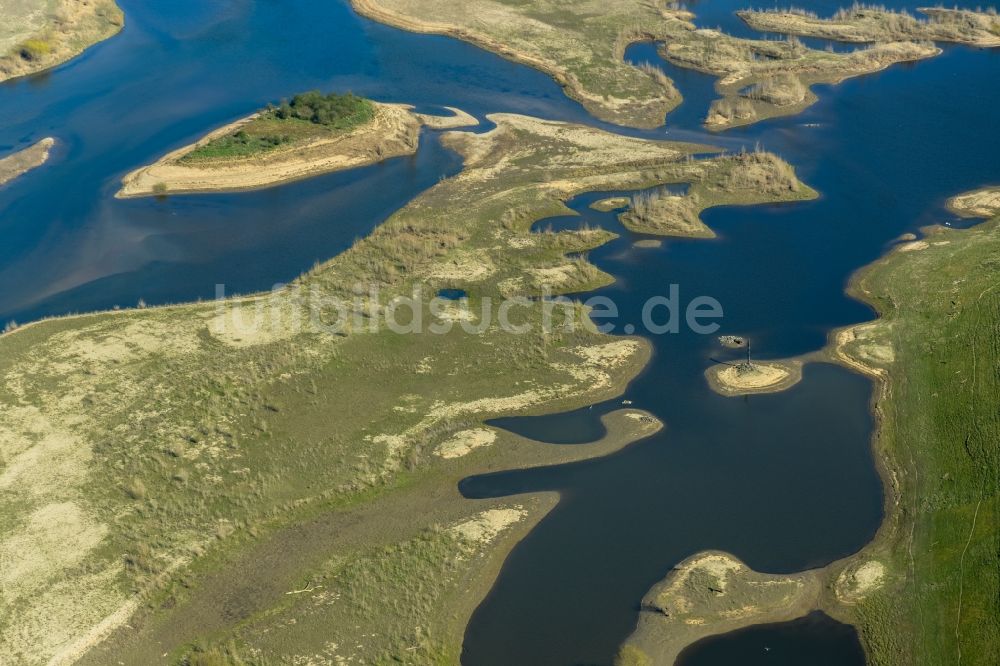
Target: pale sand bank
(23, 161)
(610, 204)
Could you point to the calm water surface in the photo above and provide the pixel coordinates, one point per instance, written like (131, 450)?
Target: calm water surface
(814, 640)
(783, 481)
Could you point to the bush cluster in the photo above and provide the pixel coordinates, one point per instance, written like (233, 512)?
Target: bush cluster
(333, 110)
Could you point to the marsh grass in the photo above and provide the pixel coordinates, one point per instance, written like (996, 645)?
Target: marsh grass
(47, 34)
(780, 90)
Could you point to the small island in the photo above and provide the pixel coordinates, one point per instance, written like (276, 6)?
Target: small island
(23, 161)
(610, 204)
(732, 379)
(765, 78)
(40, 34)
(306, 136)
(743, 178)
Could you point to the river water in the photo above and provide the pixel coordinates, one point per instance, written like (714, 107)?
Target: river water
(783, 481)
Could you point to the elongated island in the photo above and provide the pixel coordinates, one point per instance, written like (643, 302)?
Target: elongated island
(309, 135)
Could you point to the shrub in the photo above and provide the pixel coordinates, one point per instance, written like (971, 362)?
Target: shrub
(727, 110)
(781, 90)
(35, 49)
(136, 489)
(333, 110)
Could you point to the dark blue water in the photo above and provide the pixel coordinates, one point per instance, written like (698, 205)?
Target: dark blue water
(452, 294)
(814, 640)
(784, 481)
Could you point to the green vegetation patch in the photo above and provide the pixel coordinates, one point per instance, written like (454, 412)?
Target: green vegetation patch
(939, 341)
(741, 178)
(305, 117)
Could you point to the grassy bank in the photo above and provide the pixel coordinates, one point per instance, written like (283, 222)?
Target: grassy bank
(36, 35)
(743, 178)
(936, 348)
(162, 444)
(584, 48)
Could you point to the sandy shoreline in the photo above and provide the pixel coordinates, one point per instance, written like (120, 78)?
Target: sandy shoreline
(165, 336)
(370, 9)
(23, 161)
(393, 132)
(846, 582)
